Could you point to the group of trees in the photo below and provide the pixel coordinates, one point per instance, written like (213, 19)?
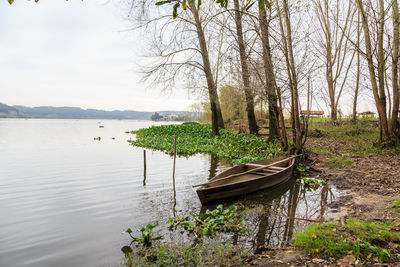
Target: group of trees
(287, 54)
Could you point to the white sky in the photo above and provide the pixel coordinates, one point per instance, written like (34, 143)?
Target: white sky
(74, 53)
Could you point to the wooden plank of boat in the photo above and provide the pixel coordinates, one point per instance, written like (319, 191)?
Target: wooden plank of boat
(260, 176)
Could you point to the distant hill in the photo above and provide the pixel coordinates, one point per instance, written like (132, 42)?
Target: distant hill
(75, 113)
(10, 112)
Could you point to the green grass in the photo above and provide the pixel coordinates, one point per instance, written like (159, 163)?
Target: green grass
(396, 204)
(336, 162)
(203, 254)
(193, 138)
(363, 239)
(359, 138)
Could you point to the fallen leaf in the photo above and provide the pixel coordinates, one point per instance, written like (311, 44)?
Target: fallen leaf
(317, 261)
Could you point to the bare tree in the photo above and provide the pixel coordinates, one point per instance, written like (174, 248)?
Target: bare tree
(270, 82)
(378, 85)
(395, 127)
(253, 127)
(334, 25)
(286, 34)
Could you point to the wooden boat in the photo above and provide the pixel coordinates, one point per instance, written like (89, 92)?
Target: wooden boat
(246, 178)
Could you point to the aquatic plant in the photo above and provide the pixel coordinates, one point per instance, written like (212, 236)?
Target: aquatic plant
(193, 138)
(146, 238)
(211, 222)
(97, 138)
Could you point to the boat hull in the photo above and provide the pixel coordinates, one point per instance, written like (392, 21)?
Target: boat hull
(223, 191)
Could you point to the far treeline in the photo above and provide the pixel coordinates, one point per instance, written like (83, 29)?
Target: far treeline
(290, 55)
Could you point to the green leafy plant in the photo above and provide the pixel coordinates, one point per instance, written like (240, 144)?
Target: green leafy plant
(302, 168)
(193, 138)
(212, 222)
(146, 238)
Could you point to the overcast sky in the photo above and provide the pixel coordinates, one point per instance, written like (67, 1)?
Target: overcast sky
(74, 53)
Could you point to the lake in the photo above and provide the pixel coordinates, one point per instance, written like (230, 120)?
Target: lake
(67, 199)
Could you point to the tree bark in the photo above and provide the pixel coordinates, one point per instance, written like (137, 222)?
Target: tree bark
(297, 138)
(395, 131)
(270, 78)
(253, 127)
(216, 115)
(376, 91)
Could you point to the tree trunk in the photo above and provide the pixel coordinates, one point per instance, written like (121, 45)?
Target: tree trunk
(253, 127)
(294, 90)
(395, 131)
(216, 115)
(354, 117)
(270, 78)
(378, 100)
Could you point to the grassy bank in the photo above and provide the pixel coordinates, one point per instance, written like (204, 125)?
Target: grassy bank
(193, 138)
(364, 241)
(359, 138)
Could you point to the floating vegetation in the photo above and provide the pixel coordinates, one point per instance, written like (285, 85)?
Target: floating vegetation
(97, 138)
(101, 126)
(193, 138)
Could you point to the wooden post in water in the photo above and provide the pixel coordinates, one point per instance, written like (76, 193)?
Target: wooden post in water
(173, 175)
(144, 168)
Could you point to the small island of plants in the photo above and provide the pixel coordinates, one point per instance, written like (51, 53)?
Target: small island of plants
(193, 138)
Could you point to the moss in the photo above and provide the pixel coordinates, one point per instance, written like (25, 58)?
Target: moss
(336, 162)
(363, 239)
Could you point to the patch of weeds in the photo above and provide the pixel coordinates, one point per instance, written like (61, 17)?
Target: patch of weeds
(316, 133)
(97, 138)
(336, 162)
(101, 126)
(363, 239)
(193, 138)
(302, 169)
(396, 204)
(211, 222)
(202, 254)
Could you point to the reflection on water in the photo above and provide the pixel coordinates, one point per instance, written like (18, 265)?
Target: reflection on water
(66, 200)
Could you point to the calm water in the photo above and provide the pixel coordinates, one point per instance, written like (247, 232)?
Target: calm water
(66, 199)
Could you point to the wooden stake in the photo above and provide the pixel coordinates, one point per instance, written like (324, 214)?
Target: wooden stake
(173, 176)
(144, 168)
(173, 173)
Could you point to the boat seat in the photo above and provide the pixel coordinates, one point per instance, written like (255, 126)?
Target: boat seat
(266, 167)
